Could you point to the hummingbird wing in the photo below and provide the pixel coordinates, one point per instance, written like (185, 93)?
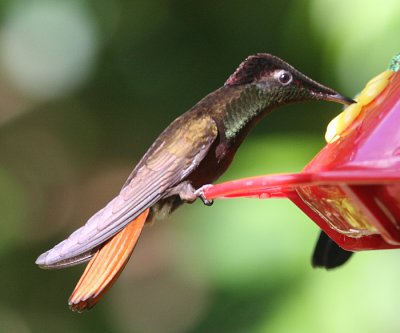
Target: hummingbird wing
(172, 157)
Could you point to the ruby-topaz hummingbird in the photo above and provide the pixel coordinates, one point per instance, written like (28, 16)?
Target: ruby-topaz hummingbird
(194, 150)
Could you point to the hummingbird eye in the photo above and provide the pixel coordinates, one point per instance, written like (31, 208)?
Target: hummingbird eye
(284, 77)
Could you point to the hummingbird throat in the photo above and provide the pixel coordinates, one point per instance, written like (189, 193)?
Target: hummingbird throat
(244, 111)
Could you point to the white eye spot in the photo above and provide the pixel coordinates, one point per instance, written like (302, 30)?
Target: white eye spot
(283, 77)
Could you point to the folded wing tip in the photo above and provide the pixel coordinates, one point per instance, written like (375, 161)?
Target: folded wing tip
(48, 260)
(41, 259)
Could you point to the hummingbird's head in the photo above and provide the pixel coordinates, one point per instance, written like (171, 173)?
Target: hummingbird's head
(271, 74)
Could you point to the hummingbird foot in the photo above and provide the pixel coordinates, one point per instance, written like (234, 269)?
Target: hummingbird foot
(206, 201)
(200, 194)
(187, 193)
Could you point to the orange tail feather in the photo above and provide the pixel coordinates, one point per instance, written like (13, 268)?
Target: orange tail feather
(106, 266)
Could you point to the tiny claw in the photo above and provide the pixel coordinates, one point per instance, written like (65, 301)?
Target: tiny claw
(200, 194)
(206, 201)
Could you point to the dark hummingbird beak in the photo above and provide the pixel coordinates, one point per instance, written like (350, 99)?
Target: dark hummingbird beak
(338, 98)
(324, 93)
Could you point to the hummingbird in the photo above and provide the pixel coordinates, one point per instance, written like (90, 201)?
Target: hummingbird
(193, 151)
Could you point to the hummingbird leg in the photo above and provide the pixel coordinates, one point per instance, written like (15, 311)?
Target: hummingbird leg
(187, 193)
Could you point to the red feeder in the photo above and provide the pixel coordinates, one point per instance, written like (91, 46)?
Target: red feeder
(351, 189)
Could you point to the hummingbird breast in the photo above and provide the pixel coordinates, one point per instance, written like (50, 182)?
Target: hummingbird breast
(235, 111)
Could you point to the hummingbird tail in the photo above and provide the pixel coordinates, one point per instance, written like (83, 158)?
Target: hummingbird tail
(106, 266)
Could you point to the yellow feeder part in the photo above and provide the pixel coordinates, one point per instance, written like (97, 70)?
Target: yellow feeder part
(340, 123)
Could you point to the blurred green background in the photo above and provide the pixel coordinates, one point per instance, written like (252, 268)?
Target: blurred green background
(86, 86)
